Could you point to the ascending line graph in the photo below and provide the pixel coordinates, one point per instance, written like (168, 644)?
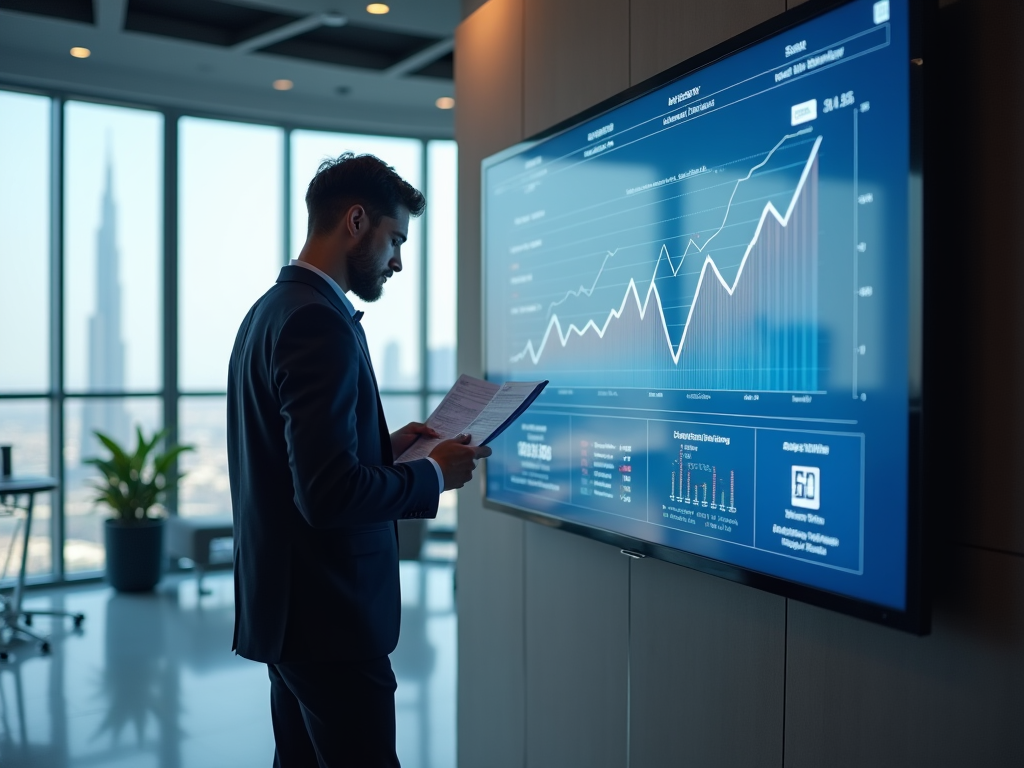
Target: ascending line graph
(755, 332)
(582, 291)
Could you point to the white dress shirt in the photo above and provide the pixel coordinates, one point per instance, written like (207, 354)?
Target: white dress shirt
(352, 310)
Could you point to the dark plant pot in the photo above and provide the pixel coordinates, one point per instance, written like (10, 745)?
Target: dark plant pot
(134, 554)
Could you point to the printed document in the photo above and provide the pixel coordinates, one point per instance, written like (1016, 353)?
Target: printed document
(479, 408)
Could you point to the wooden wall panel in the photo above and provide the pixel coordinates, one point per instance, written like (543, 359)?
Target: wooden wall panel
(488, 118)
(577, 609)
(491, 706)
(489, 594)
(858, 694)
(981, 247)
(577, 54)
(665, 33)
(707, 670)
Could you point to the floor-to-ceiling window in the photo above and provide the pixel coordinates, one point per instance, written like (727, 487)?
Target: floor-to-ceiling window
(132, 242)
(441, 284)
(230, 237)
(25, 308)
(411, 331)
(392, 328)
(112, 255)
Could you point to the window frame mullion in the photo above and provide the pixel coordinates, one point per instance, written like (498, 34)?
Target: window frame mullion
(170, 394)
(424, 339)
(58, 528)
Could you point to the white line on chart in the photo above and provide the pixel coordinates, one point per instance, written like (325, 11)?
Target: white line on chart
(676, 352)
(686, 251)
(589, 291)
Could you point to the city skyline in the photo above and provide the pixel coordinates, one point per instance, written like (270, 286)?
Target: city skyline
(106, 357)
(112, 239)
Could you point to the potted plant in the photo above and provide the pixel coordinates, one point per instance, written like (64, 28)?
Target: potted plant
(132, 485)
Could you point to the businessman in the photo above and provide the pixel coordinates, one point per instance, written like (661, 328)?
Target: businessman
(315, 491)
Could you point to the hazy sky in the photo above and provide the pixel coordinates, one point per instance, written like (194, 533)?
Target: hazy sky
(24, 241)
(230, 237)
(394, 319)
(442, 241)
(132, 139)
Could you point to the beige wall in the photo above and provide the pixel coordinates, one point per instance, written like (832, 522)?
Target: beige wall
(554, 629)
(489, 73)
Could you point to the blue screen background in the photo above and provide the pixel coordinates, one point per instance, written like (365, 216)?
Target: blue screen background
(715, 279)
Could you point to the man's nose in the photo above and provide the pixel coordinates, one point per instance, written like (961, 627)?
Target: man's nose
(395, 265)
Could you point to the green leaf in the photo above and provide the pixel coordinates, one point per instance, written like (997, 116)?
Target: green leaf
(131, 484)
(118, 452)
(164, 461)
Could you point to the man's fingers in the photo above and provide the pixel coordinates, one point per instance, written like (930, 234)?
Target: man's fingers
(459, 439)
(458, 459)
(416, 428)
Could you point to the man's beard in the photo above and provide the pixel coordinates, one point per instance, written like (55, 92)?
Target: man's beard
(364, 278)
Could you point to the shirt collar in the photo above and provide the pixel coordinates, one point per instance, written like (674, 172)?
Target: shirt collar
(330, 281)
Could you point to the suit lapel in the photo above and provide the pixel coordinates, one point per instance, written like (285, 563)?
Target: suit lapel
(361, 335)
(292, 274)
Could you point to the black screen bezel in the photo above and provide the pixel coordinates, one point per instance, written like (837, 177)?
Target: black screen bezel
(916, 618)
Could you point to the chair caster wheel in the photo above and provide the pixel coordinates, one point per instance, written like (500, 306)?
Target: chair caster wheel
(28, 619)
(4, 656)
(79, 619)
(44, 647)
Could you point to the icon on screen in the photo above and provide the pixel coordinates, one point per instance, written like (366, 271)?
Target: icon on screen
(881, 11)
(804, 112)
(806, 487)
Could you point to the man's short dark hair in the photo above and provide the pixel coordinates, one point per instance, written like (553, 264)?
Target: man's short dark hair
(365, 180)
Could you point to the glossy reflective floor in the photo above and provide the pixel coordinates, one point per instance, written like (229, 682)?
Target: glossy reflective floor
(150, 681)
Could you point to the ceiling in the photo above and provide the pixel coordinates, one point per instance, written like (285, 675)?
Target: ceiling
(351, 70)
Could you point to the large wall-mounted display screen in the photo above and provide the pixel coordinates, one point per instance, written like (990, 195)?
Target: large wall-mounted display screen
(718, 278)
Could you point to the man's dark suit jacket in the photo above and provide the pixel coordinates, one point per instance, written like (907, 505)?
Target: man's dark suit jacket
(314, 490)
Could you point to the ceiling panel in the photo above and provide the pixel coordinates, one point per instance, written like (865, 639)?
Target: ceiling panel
(361, 44)
(205, 21)
(209, 57)
(443, 68)
(426, 17)
(71, 10)
(353, 46)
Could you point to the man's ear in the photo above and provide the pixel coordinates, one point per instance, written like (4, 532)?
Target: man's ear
(356, 220)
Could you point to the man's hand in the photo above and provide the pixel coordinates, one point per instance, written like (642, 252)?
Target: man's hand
(406, 436)
(457, 460)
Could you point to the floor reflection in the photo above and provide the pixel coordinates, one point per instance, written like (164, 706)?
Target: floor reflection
(149, 681)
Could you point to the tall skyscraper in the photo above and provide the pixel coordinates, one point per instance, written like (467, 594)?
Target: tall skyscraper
(106, 346)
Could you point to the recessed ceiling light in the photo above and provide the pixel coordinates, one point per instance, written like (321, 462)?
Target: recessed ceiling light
(283, 85)
(81, 53)
(377, 9)
(445, 102)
